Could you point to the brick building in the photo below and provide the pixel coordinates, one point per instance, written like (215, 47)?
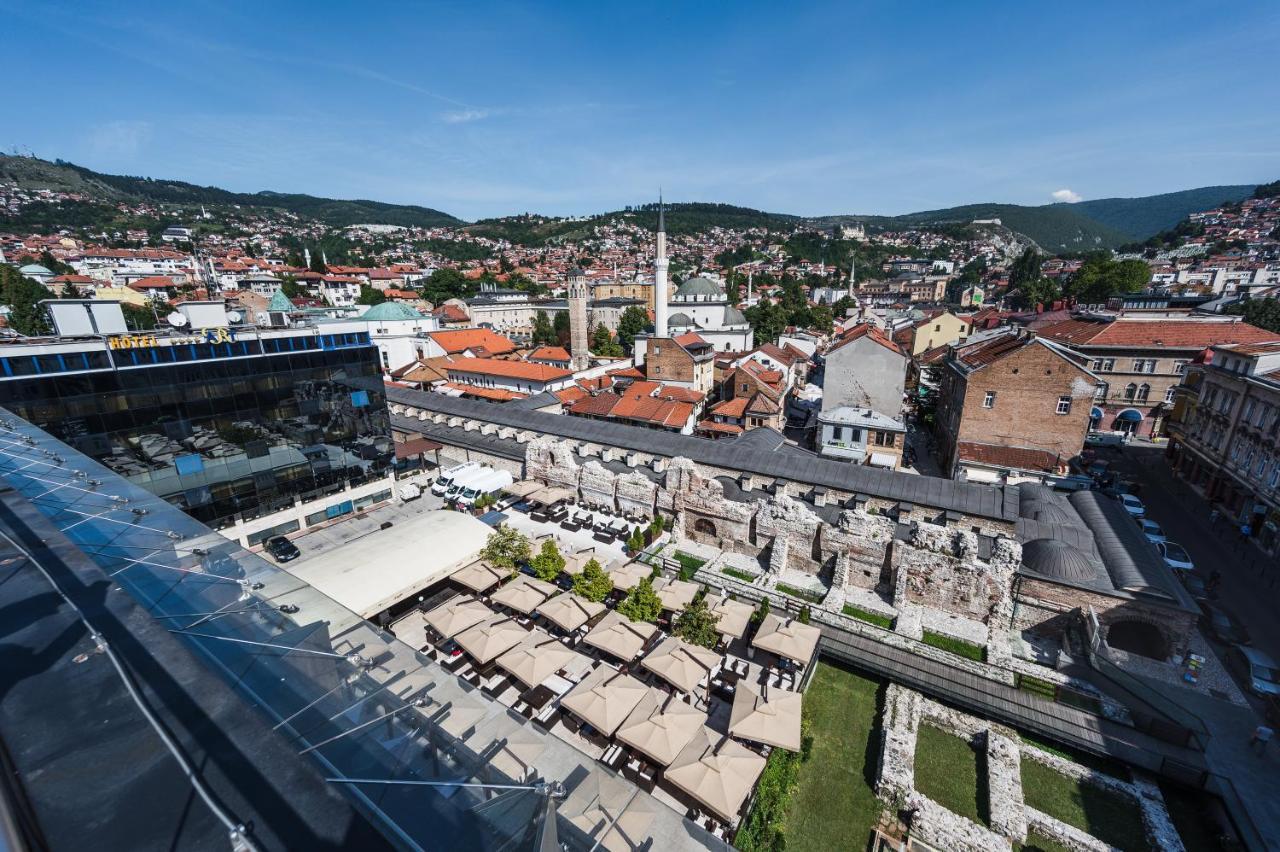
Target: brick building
(1140, 360)
(685, 359)
(1012, 407)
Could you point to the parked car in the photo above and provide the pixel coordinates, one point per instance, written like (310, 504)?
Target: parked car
(1175, 556)
(1151, 530)
(1071, 482)
(1195, 586)
(1133, 505)
(1261, 673)
(1223, 626)
(281, 549)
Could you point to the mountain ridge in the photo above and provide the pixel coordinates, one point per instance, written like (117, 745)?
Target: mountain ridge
(1057, 227)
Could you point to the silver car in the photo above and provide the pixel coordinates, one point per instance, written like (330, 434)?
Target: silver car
(1259, 671)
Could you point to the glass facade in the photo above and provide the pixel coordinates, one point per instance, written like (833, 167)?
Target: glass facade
(225, 431)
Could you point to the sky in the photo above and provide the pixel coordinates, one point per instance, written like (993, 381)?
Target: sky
(566, 108)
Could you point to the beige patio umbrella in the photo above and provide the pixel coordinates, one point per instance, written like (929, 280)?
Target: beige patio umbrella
(619, 636)
(604, 699)
(457, 714)
(516, 752)
(675, 594)
(660, 726)
(523, 488)
(551, 494)
(575, 562)
(411, 628)
(456, 615)
(766, 715)
(480, 576)
(681, 664)
(523, 593)
(716, 771)
(568, 611)
(490, 638)
(628, 575)
(787, 637)
(537, 657)
(612, 812)
(734, 617)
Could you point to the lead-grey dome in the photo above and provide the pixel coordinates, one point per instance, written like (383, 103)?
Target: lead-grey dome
(1046, 512)
(1058, 560)
(698, 286)
(733, 316)
(680, 319)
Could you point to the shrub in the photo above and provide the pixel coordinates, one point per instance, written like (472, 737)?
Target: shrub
(506, 548)
(593, 583)
(641, 603)
(697, 624)
(745, 576)
(868, 616)
(803, 594)
(548, 564)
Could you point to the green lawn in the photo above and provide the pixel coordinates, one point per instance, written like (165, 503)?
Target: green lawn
(1109, 817)
(745, 576)
(689, 564)
(868, 616)
(947, 772)
(955, 646)
(803, 594)
(833, 805)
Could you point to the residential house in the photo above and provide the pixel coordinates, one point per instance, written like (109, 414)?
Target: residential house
(497, 380)
(685, 359)
(1012, 407)
(940, 329)
(640, 403)
(751, 397)
(861, 436)
(1141, 360)
(468, 342)
(556, 356)
(864, 369)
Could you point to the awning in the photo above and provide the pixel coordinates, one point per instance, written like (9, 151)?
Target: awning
(883, 460)
(675, 594)
(568, 611)
(1130, 415)
(451, 618)
(734, 617)
(716, 771)
(1095, 413)
(537, 657)
(480, 576)
(524, 593)
(628, 575)
(523, 488)
(490, 638)
(681, 664)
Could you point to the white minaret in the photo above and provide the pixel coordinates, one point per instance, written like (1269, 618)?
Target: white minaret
(852, 288)
(750, 274)
(660, 277)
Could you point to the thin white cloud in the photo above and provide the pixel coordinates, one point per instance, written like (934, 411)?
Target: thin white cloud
(464, 116)
(1068, 196)
(119, 138)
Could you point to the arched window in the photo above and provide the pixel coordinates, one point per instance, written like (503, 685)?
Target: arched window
(1144, 390)
(1130, 390)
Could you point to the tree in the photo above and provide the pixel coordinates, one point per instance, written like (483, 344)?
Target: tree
(697, 624)
(138, 317)
(759, 614)
(823, 319)
(1039, 291)
(842, 307)
(804, 615)
(593, 583)
(1100, 277)
(641, 603)
(23, 296)
(548, 564)
(767, 321)
(561, 327)
(602, 343)
(1264, 313)
(1025, 269)
(635, 543)
(542, 331)
(370, 296)
(445, 284)
(633, 321)
(291, 288)
(317, 263)
(506, 548)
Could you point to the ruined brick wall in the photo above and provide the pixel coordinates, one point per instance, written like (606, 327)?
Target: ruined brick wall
(863, 540)
(783, 518)
(636, 494)
(596, 484)
(1046, 608)
(551, 461)
(703, 513)
(939, 568)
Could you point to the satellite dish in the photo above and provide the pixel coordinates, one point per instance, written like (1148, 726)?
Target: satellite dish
(234, 317)
(176, 319)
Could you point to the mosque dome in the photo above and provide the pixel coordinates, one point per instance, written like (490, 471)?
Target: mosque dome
(36, 270)
(680, 319)
(733, 316)
(390, 311)
(1058, 560)
(698, 286)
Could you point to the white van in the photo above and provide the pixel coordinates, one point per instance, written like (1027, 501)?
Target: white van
(491, 484)
(465, 479)
(444, 480)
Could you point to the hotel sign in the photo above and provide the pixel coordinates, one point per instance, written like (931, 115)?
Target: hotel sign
(147, 341)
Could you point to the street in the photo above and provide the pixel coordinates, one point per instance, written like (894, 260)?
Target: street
(1250, 586)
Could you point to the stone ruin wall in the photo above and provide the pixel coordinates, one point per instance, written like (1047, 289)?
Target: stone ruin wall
(940, 569)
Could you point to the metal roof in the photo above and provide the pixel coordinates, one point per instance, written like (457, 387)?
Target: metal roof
(740, 454)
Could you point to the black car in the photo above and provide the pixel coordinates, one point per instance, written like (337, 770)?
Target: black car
(1223, 626)
(281, 549)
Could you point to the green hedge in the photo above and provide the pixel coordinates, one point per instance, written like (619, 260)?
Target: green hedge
(878, 619)
(802, 594)
(959, 647)
(764, 828)
(745, 576)
(689, 564)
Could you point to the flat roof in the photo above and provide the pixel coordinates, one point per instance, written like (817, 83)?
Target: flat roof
(385, 566)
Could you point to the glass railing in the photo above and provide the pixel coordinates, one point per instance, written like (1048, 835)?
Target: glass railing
(366, 707)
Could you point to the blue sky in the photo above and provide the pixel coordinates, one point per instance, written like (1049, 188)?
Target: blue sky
(485, 109)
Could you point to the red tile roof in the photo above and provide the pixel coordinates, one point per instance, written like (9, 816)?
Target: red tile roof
(869, 331)
(494, 394)
(731, 407)
(1021, 458)
(1140, 334)
(725, 428)
(460, 340)
(550, 353)
(989, 351)
(509, 369)
(155, 282)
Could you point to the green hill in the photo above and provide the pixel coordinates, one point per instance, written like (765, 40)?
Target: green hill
(32, 173)
(1140, 218)
(686, 218)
